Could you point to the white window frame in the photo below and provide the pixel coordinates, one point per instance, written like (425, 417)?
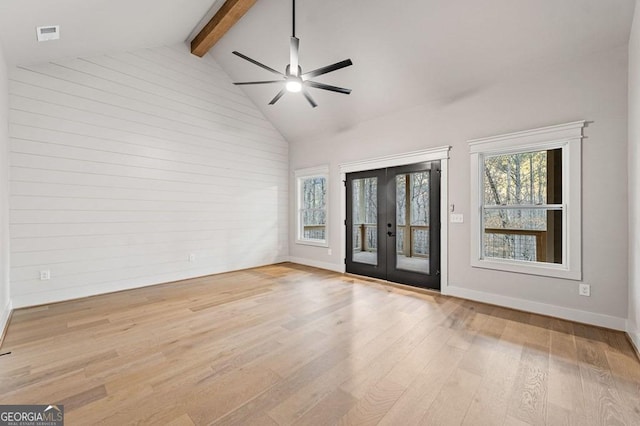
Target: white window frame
(300, 175)
(567, 137)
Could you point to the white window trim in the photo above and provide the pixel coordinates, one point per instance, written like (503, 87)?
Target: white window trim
(320, 171)
(566, 136)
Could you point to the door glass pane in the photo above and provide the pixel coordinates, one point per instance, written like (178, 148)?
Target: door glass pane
(365, 220)
(412, 221)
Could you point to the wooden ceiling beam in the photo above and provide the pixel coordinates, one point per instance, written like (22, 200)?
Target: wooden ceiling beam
(230, 13)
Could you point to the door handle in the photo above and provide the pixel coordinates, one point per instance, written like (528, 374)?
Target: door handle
(391, 234)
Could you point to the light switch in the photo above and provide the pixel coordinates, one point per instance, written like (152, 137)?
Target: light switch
(456, 218)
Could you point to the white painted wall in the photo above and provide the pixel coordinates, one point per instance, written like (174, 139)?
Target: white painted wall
(634, 179)
(123, 165)
(590, 88)
(5, 305)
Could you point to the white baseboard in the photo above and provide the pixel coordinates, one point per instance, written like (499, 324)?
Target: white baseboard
(635, 339)
(316, 264)
(62, 295)
(65, 294)
(4, 319)
(571, 314)
(634, 335)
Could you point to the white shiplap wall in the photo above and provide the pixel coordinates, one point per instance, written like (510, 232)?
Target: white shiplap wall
(121, 166)
(5, 300)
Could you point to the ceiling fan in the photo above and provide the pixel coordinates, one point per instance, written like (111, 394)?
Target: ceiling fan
(293, 79)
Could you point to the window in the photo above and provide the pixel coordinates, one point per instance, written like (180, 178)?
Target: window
(526, 201)
(312, 210)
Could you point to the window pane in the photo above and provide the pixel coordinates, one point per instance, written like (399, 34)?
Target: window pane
(365, 220)
(412, 221)
(516, 219)
(523, 178)
(533, 235)
(401, 200)
(420, 199)
(313, 208)
(529, 178)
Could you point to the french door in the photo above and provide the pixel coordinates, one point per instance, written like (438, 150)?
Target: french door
(393, 224)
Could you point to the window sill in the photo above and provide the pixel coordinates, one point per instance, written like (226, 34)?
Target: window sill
(316, 243)
(530, 268)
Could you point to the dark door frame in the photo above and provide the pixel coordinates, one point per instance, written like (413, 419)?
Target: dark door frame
(439, 153)
(386, 266)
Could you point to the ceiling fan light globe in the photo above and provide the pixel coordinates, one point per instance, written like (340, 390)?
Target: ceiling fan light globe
(294, 86)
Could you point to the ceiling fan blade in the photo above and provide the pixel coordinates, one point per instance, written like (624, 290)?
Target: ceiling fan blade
(328, 68)
(253, 61)
(327, 87)
(309, 98)
(278, 96)
(293, 63)
(258, 82)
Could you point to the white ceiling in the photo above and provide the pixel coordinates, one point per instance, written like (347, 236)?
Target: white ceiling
(405, 53)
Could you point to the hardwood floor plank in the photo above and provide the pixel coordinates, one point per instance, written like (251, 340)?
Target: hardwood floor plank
(284, 389)
(512, 421)
(50, 370)
(602, 401)
(98, 412)
(565, 383)
(376, 402)
(415, 401)
(491, 400)
(183, 420)
(627, 379)
(453, 400)
(230, 391)
(406, 369)
(83, 398)
(54, 388)
(559, 416)
(408, 338)
(529, 401)
(328, 411)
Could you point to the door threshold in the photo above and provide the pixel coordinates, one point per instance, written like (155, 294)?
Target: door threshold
(407, 287)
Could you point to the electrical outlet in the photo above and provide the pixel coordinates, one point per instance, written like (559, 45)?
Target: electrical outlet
(45, 275)
(192, 257)
(584, 290)
(329, 252)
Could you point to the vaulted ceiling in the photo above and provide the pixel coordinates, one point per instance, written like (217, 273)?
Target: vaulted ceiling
(93, 27)
(405, 53)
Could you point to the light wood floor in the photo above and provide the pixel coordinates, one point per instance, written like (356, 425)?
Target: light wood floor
(287, 344)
